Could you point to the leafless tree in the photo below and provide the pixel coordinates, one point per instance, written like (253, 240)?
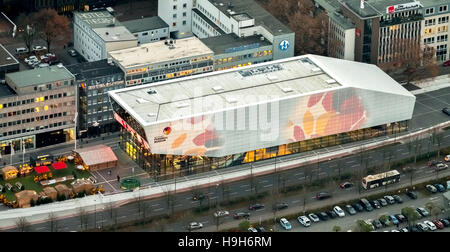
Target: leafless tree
(28, 30)
(52, 27)
(53, 221)
(84, 218)
(22, 224)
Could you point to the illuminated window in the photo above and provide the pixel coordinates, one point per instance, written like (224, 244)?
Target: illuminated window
(1, 106)
(429, 31)
(36, 109)
(36, 100)
(41, 99)
(45, 107)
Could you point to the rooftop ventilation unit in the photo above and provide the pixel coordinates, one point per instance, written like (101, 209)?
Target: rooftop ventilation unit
(217, 88)
(272, 77)
(230, 99)
(331, 81)
(316, 69)
(151, 91)
(151, 114)
(287, 89)
(182, 105)
(141, 100)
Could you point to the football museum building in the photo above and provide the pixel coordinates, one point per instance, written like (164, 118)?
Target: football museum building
(226, 118)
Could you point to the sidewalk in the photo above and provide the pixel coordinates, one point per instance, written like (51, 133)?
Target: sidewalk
(71, 207)
(431, 84)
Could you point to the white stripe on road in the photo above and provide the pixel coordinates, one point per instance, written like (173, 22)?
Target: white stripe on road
(155, 205)
(295, 201)
(242, 186)
(298, 174)
(322, 173)
(263, 181)
(269, 185)
(159, 209)
(355, 165)
(233, 193)
(302, 178)
(248, 190)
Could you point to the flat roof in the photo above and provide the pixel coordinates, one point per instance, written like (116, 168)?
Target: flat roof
(373, 8)
(6, 91)
(252, 9)
(6, 58)
(95, 69)
(431, 3)
(39, 76)
(156, 52)
(98, 19)
(145, 24)
(224, 43)
(116, 33)
(271, 81)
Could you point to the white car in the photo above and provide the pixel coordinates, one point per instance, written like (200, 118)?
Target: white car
(430, 225)
(221, 213)
(441, 166)
(339, 211)
(39, 48)
(285, 224)
(195, 225)
(313, 217)
(31, 58)
(253, 230)
(42, 65)
(304, 221)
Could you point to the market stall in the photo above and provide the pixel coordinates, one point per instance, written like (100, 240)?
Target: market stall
(59, 165)
(9, 172)
(40, 160)
(97, 157)
(24, 198)
(43, 173)
(63, 190)
(82, 185)
(25, 169)
(50, 192)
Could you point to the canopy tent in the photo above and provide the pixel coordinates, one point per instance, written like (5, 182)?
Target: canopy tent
(41, 169)
(59, 165)
(98, 157)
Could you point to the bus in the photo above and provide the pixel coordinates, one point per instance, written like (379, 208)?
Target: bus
(385, 178)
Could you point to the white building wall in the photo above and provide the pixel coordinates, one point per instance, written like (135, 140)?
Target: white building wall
(436, 34)
(349, 51)
(180, 25)
(150, 36)
(87, 42)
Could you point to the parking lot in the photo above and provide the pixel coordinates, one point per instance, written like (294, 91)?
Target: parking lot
(348, 223)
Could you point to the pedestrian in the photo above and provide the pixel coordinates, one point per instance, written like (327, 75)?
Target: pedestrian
(109, 172)
(118, 178)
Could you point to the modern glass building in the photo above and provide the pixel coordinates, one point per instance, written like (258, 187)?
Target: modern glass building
(225, 118)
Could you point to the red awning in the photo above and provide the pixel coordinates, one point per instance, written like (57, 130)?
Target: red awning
(41, 169)
(59, 165)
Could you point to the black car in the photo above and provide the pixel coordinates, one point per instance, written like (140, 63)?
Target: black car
(385, 222)
(411, 194)
(446, 111)
(280, 206)
(422, 211)
(400, 217)
(332, 214)
(377, 224)
(256, 206)
(375, 204)
(323, 195)
(398, 199)
(260, 229)
(323, 216)
(241, 215)
(366, 204)
(358, 207)
(350, 210)
(445, 222)
(414, 229)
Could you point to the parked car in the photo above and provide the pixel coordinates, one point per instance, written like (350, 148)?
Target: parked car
(375, 204)
(252, 230)
(432, 163)
(256, 206)
(323, 195)
(446, 111)
(383, 202)
(313, 217)
(441, 166)
(338, 210)
(400, 217)
(221, 213)
(448, 184)
(389, 199)
(195, 225)
(358, 207)
(430, 225)
(72, 52)
(445, 222)
(260, 229)
(332, 214)
(404, 230)
(346, 185)
(438, 224)
(431, 188)
(393, 220)
(440, 187)
(21, 50)
(350, 210)
(422, 212)
(365, 203)
(39, 48)
(398, 199)
(422, 227)
(385, 222)
(280, 206)
(323, 216)
(377, 224)
(446, 63)
(304, 221)
(239, 215)
(411, 194)
(31, 58)
(285, 224)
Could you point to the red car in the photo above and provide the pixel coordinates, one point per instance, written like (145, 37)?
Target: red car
(446, 64)
(438, 224)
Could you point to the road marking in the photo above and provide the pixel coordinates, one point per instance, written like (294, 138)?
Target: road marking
(189, 198)
(263, 181)
(193, 202)
(295, 201)
(242, 186)
(322, 173)
(159, 209)
(269, 185)
(355, 165)
(178, 205)
(297, 174)
(121, 217)
(233, 193)
(155, 205)
(302, 178)
(215, 197)
(248, 190)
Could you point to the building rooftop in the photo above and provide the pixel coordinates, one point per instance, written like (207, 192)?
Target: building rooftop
(250, 8)
(374, 8)
(98, 19)
(231, 42)
(6, 91)
(38, 76)
(6, 58)
(156, 52)
(431, 3)
(211, 23)
(271, 81)
(116, 33)
(145, 24)
(344, 22)
(95, 69)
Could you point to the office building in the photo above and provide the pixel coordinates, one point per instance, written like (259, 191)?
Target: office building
(148, 30)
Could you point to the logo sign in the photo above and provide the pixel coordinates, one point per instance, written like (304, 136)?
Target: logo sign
(402, 7)
(167, 130)
(284, 45)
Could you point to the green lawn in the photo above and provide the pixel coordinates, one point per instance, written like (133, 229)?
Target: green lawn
(29, 184)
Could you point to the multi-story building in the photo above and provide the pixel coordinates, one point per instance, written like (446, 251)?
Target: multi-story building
(226, 118)
(8, 63)
(97, 33)
(435, 27)
(37, 108)
(94, 80)
(177, 14)
(163, 60)
(65, 6)
(148, 30)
